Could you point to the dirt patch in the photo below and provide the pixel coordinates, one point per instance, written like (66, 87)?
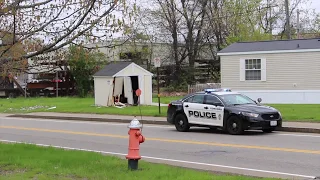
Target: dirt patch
(6, 171)
(71, 177)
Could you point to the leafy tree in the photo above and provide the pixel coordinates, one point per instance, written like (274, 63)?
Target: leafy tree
(15, 51)
(83, 64)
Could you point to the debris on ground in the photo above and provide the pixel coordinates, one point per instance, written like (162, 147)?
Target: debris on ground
(30, 108)
(54, 107)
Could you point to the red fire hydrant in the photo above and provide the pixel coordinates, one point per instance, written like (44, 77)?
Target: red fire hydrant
(135, 139)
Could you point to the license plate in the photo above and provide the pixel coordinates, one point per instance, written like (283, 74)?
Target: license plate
(273, 123)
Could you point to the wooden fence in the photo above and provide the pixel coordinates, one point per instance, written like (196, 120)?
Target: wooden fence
(201, 87)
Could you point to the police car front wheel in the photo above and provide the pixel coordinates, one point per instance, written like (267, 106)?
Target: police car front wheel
(235, 125)
(181, 123)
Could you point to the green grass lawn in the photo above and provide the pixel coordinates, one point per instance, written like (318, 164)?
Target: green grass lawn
(72, 105)
(299, 112)
(22, 161)
(165, 100)
(290, 112)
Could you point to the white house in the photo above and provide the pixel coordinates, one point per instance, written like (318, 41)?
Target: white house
(281, 71)
(122, 78)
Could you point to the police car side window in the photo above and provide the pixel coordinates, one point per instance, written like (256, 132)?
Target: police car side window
(189, 99)
(212, 100)
(198, 99)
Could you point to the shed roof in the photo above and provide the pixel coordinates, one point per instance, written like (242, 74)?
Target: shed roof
(112, 68)
(294, 45)
(120, 68)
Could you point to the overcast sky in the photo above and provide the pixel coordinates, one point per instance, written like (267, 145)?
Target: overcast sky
(315, 4)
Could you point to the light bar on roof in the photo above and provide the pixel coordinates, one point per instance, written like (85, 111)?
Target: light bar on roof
(217, 90)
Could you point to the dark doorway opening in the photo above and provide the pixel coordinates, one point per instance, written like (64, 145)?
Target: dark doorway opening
(135, 86)
(122, 98)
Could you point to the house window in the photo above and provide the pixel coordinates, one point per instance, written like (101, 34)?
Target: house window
(253, 69)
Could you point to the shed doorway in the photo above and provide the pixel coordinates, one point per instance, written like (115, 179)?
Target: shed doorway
(125, 88)
(135, 86)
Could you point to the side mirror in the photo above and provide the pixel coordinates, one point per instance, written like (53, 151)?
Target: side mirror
(217, 104)
(259, 100)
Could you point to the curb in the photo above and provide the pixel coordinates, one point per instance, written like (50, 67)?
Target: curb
(284, 129)
(302, 130)
(89, 119)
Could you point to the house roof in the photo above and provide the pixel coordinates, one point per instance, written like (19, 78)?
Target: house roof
(112, 68)
(296, 45)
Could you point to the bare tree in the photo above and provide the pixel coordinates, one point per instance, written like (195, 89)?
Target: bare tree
(182, 23)
(275, 16)
(57, 23)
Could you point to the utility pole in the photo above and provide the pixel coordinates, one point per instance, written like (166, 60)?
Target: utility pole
(287, 19)
(298, 24)
(157, 64)
(57, 85)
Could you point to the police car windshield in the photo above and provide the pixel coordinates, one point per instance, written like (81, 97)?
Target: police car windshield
(236, 99)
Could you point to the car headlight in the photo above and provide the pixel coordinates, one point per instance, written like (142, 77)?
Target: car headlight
(250, 114)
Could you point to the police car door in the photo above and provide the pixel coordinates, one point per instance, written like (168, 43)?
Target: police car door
(193, 108)
(214, 111)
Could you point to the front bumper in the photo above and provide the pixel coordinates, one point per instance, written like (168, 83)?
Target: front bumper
(257, 124)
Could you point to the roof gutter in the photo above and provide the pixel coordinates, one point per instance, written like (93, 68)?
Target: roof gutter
(100, 76)
(268, 52)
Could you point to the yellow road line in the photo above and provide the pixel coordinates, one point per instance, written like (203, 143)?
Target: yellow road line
(168, 140)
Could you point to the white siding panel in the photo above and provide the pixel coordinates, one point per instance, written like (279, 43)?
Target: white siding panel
(141, 87)
(263, 69)
(285, 96)
(147, 90)
(103, 88)
(242, 69)
(294, 71)
(132, 70)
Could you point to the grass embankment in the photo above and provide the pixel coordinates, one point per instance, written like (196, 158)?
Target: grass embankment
(290, 112)
(22, 161)
(72, 105)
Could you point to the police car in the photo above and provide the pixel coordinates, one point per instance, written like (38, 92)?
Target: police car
(221, 108)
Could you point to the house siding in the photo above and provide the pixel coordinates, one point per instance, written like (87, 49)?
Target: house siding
(284, 71)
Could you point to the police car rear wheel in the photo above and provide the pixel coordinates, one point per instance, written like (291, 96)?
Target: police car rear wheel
(234, 126)
(181, 123)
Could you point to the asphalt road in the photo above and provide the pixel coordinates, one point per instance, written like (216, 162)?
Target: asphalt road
(283, 155)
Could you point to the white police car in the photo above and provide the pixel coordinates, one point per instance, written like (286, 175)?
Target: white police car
(222, 108)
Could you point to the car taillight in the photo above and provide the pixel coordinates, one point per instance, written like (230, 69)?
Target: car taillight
(169, 105)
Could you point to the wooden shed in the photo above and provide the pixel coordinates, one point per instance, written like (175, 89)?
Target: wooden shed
(122, 79)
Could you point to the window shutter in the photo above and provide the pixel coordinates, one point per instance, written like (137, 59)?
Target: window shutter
(242, 69)
(263, 69)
